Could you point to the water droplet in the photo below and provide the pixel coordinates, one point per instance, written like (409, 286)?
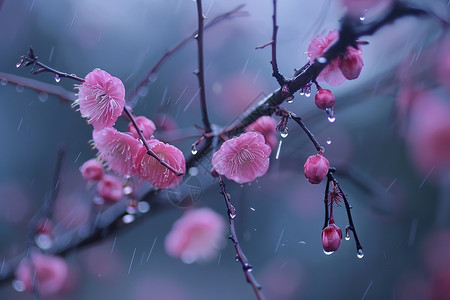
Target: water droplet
(143, 207)
(362, 18)
(18, 285)
(44, 241)
(131, 209)
(57, 78)
(193, 171)
(127, 190)
(43, 96)
(19, 88)
(360, 253)
(331, 115)
(3, 82)
(347, 232)
(252, 208)
(284, 131)
(322, 60)
(194, 149)
(290, 99)
(19, 63)
(128, 219)
(307, 94)
(328, 252)
(328, 141)
(232, 212)
(143, 91)
(301, 92)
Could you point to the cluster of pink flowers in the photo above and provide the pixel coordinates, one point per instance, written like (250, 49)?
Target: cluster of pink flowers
(196, 236)
(101, 101)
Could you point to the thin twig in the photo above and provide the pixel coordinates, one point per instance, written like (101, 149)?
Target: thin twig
(240, 256)
(311, 136)
(201, 70)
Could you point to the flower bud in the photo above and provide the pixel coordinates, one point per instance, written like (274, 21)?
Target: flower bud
(351, 64)
(110, 189)
(92, 170)
(316, 168)
(146, 125)
(331, 238)
(324, 99)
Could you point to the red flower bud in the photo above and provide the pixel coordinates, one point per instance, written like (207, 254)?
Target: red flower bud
(351, 64)
(92, 170)
(324, 99)
(110, 189)
(316, 168)
(331, 238)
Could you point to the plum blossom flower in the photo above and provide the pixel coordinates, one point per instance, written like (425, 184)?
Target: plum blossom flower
(243, 158)
(197, 235)
(331, 238)
(153, 171)
(118, 149)
(316, 168)
(267, 126)
(52, 273)
(324, 99)
(92, 170)
(101, 98)
(340, 69)
(110, 189)
(146, 125)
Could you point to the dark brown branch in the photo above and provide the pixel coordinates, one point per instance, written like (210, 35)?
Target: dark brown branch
(275, 73)
(201, 69)
(240, 256)
(311, 136)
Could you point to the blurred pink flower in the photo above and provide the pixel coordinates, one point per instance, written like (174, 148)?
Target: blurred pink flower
(340, 69)
(118, 149)
(316, 168)
(110, 189)
(267, 126)
(331, 238)
(146, 125)
(324, 99)
(153, 171)
(92, 170)
(243, 158)
(443, 63)
(52, 273)
(428, 133)
(100, 98)
(197, 235)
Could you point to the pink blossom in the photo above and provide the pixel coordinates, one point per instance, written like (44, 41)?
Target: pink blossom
(110, 189)
(351, 64)
(101, 98)
(331, 238)
(267, 126)
(146, 125)
(197, 235)
(324, 99)
(118, 149)
(92, 170)
(316, 168)
(52, 273)
(243, 158)
(153, 171)
(340, 69)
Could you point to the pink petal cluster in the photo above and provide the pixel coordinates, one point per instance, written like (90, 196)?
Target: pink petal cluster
(92, 170)
(243, 158)
(117, 149)
(331, 238)
(324, 99)
(153, 171)
(52, 273)
(101, 99)
(197, 235)
(340, 69)
(316, 168)
(146, 125)
(267, 126)
(110, 189)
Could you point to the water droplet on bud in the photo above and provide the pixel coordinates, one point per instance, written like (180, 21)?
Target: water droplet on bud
(57, 78)
(360, 253)
(194, 149)
(328, 252)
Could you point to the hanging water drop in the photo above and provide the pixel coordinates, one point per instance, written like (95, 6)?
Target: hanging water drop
(328, 252)
(301, 92)
(19, 88)
(194, 149)
(328, 141)
(57, 78)
(347, 232)
(362, 18)
(232, 212)
(331, 115)
(43, 96)
(284, 131)
(290, 99)
(307, 94)
(360, 253)
(3, 82)
(19, 64)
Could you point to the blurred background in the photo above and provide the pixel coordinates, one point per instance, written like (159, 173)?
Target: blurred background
(399, 190)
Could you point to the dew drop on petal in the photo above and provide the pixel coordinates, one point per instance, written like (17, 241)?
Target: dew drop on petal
(360, 253)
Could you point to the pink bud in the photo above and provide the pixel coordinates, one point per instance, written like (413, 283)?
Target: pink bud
(351, 64)
(146, 125)
(316, 168)
(92, 170)
(331, 238)
(324, 99)
(110, 189)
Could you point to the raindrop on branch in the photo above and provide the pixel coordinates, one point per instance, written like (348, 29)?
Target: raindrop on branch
(360, 253)
(331, 115)
(43, 96)
(19, 88)
(3, 82)
(194, 149)
(57, 78)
